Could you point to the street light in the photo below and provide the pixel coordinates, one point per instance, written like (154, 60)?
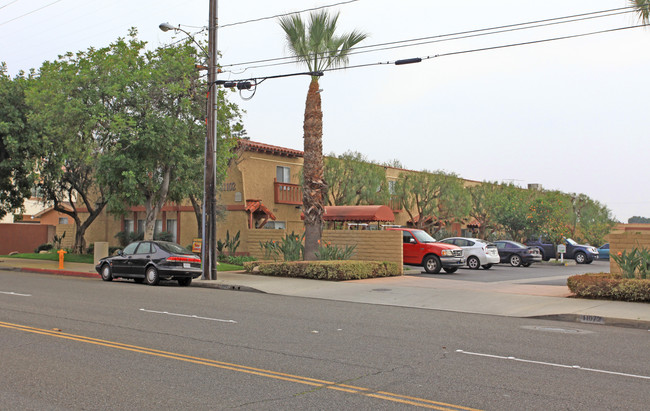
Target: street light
(209, 230)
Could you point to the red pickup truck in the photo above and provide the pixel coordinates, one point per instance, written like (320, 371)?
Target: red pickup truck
(423, 250)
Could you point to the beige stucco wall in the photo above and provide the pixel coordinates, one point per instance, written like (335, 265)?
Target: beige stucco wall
(626, 238)
(370, 245)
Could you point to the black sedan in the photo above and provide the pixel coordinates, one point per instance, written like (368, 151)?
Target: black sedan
(517, 254)
(150, 262)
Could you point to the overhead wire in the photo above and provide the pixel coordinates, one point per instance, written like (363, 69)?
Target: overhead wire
(28, 13)
(448, 37)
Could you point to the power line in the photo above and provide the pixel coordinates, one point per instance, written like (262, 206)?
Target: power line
(286, 14)
(459, 35)
(28, 13)
(8, 4)
(491, 48)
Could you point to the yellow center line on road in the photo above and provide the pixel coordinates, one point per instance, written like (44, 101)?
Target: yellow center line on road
(388, 396)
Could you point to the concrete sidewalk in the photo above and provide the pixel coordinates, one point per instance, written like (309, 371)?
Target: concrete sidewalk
(411, 290)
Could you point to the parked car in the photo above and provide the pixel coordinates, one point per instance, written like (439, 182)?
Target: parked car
(582, 253)
(151, 261)
(603, 252)
(423, 250)
(517, 254)
(478, 253)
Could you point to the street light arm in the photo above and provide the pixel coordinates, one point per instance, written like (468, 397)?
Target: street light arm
(166, 27)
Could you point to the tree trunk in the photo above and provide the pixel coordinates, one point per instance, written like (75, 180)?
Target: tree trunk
(314, 187)
(198, 213)
(154, 203)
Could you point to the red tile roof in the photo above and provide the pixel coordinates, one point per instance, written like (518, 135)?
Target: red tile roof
(269, 149)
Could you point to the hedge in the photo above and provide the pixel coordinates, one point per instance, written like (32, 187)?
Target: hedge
(605, 286)
(335, 270)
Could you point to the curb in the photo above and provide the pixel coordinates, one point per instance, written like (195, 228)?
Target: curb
(58, 272)
(595, 319)
(229, 287)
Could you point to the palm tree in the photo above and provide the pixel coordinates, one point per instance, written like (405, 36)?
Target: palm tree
(319, 48)
(642, 9)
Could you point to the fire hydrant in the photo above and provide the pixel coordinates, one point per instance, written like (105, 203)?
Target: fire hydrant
(61, 252)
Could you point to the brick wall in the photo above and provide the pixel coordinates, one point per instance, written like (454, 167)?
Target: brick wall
(370, 245)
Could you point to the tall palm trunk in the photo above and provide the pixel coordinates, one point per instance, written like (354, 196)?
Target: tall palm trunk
(314, 189)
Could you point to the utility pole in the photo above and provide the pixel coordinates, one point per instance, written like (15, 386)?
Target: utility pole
(209, 249)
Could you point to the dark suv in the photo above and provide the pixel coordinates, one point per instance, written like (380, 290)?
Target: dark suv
(583, 254)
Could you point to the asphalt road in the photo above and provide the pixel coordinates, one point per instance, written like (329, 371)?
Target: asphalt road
(542, 273)
(77, 343)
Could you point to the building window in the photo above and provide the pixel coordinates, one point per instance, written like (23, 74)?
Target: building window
(283, 174)
(238, 196)
(128, 226)
(63, 220)
(140, 226)
(391, 187)
(171, 228)
(275, 225)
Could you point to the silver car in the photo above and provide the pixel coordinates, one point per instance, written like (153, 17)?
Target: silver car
(478, 253)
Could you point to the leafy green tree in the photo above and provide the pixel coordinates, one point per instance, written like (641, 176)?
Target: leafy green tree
(548, 215)
(642, 8)
(77, 106)
(432, 200)
(353, 180)
(483, 202)
(319, 48)
(19, 145)
(596, 221)
(156, 154)
(512, 211)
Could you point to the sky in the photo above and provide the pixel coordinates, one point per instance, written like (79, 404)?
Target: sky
(568, 114)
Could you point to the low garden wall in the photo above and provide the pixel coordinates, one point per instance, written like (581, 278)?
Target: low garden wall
(370, 245)
(627, 238)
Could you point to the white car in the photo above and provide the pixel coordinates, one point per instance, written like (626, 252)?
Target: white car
(478, 253)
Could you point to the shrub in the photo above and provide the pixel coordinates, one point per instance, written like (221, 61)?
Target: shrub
(163, 236)
(43, 247)
(635, 264)
(236, 259)
(325, 270)
(290, 247)
(609, 287)
(126, 238)
(326, 251)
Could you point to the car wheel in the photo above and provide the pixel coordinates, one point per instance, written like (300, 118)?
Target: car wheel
(473, 263)
(432, 264)
(526, 264)
(151, 276)
(515, 260)
(450, 270)
(487, 266)
(107, 273)
(580, 258)
(184, 282)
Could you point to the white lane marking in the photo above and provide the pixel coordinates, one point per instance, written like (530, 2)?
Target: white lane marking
(189, 316)
(13, 293)
(575, 367)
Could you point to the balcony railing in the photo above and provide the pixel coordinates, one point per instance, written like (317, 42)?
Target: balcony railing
(286, 193)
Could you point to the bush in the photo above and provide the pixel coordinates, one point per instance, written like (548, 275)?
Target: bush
(608, 287)
(326, 251)
(325, 270)
(236, 260)
(43, 247)
(635, 264)
(290, 247)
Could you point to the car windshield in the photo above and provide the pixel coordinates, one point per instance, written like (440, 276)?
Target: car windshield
(571, 242)
(423, 236)
(173, 248)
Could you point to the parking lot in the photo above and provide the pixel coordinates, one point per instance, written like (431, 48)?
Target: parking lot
(544, 273)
